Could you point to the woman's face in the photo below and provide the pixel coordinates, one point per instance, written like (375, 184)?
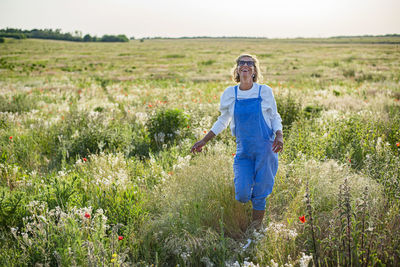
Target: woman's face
(246, 68)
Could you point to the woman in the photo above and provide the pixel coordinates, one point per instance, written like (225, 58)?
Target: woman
(251, 110)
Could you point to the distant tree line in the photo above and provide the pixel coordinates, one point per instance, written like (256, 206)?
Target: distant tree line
(58, 35)
(366, 36)
(255, 37)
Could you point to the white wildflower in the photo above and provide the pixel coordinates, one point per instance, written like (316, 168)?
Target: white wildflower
(304, 260)
(182, 162)
(76, 134)
(281, 230)
(249, 264)
(234, 264)
(274, 264)
(159, 137)
(26, 239)
(207, 262)
(141, 117)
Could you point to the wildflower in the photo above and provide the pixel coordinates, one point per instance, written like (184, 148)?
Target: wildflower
(84, 159)
(114, 255)
(302, 219)
(350, 160)
(305, 259)
(120, 237)
(11, 137)
(112, 260)
(205, 131)
(150, 105)
(188, 126)
(398, 144)
(87, 215)
(233, 154)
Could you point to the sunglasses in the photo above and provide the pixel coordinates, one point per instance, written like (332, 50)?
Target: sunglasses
(249, 63)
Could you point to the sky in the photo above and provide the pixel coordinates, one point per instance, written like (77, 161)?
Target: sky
(178, 18)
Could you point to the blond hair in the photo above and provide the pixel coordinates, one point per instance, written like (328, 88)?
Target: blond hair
(235, 73)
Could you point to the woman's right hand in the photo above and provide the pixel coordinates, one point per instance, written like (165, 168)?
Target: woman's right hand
(198, 146)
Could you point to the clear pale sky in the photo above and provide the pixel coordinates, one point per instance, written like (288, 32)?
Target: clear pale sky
(177, 18)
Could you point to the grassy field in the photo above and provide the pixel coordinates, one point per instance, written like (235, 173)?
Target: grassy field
(96, 169)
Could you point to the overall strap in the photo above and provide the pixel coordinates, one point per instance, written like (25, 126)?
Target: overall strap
(236, 92)
(259, 91)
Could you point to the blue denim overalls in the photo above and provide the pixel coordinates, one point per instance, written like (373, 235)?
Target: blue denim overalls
(255, 164)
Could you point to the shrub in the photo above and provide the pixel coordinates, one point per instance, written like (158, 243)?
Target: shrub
(311, 111)
(87, 38)
(84, 133)
(12, 208)
(13, 35)
(167, 126)
(289, 108)
(114, 38)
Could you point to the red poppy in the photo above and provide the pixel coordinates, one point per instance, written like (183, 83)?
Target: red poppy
(87, 215)
(188, 126)
(350, 160)
(84, 159)
(205, 131)
(233, 154)
(120, 237)
(10, 137)
(398, 144)
(302, 219)
(150, 105)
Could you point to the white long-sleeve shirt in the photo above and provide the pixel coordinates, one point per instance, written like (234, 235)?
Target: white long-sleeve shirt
(227, 107)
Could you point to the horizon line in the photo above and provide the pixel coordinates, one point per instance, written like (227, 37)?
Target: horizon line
(221, 36)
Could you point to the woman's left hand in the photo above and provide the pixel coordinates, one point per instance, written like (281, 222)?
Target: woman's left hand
(277, 146)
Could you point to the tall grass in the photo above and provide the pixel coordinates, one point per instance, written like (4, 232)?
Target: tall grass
(95, 166)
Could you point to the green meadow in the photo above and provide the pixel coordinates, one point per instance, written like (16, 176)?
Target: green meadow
(96, 169)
